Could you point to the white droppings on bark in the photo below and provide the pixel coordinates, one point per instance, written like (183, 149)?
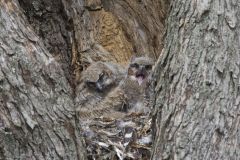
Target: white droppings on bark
(203, 6)
(231, 18)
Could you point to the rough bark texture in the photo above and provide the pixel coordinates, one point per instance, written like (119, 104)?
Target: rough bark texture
(142, 22)
(37, 114)
(51, 23)
(197, 92)
(44, 46)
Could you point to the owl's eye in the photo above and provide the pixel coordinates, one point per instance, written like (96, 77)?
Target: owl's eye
(135, 65)
(148, 67)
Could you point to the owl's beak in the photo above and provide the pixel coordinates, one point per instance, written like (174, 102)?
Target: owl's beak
(141, 75)
(140, 80)
(142, 69)
(99, 87)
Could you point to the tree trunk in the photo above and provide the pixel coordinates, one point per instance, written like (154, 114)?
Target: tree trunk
(37, 114)
(44, 46)
(196, 114)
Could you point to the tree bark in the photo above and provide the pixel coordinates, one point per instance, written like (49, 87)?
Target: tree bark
(37, 114)
(142, 22)
(196, 114)
(196, 111)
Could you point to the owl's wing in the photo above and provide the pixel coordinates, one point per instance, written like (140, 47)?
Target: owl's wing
(111, 103)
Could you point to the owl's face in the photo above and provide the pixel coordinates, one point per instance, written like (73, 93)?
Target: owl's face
(140, 69)
(101, 84)
(98, 77)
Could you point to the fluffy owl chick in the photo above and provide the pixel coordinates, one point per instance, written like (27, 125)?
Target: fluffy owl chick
(101, 76)
(96, 82)
(132, 91)
(140, 70)
(136, 85)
